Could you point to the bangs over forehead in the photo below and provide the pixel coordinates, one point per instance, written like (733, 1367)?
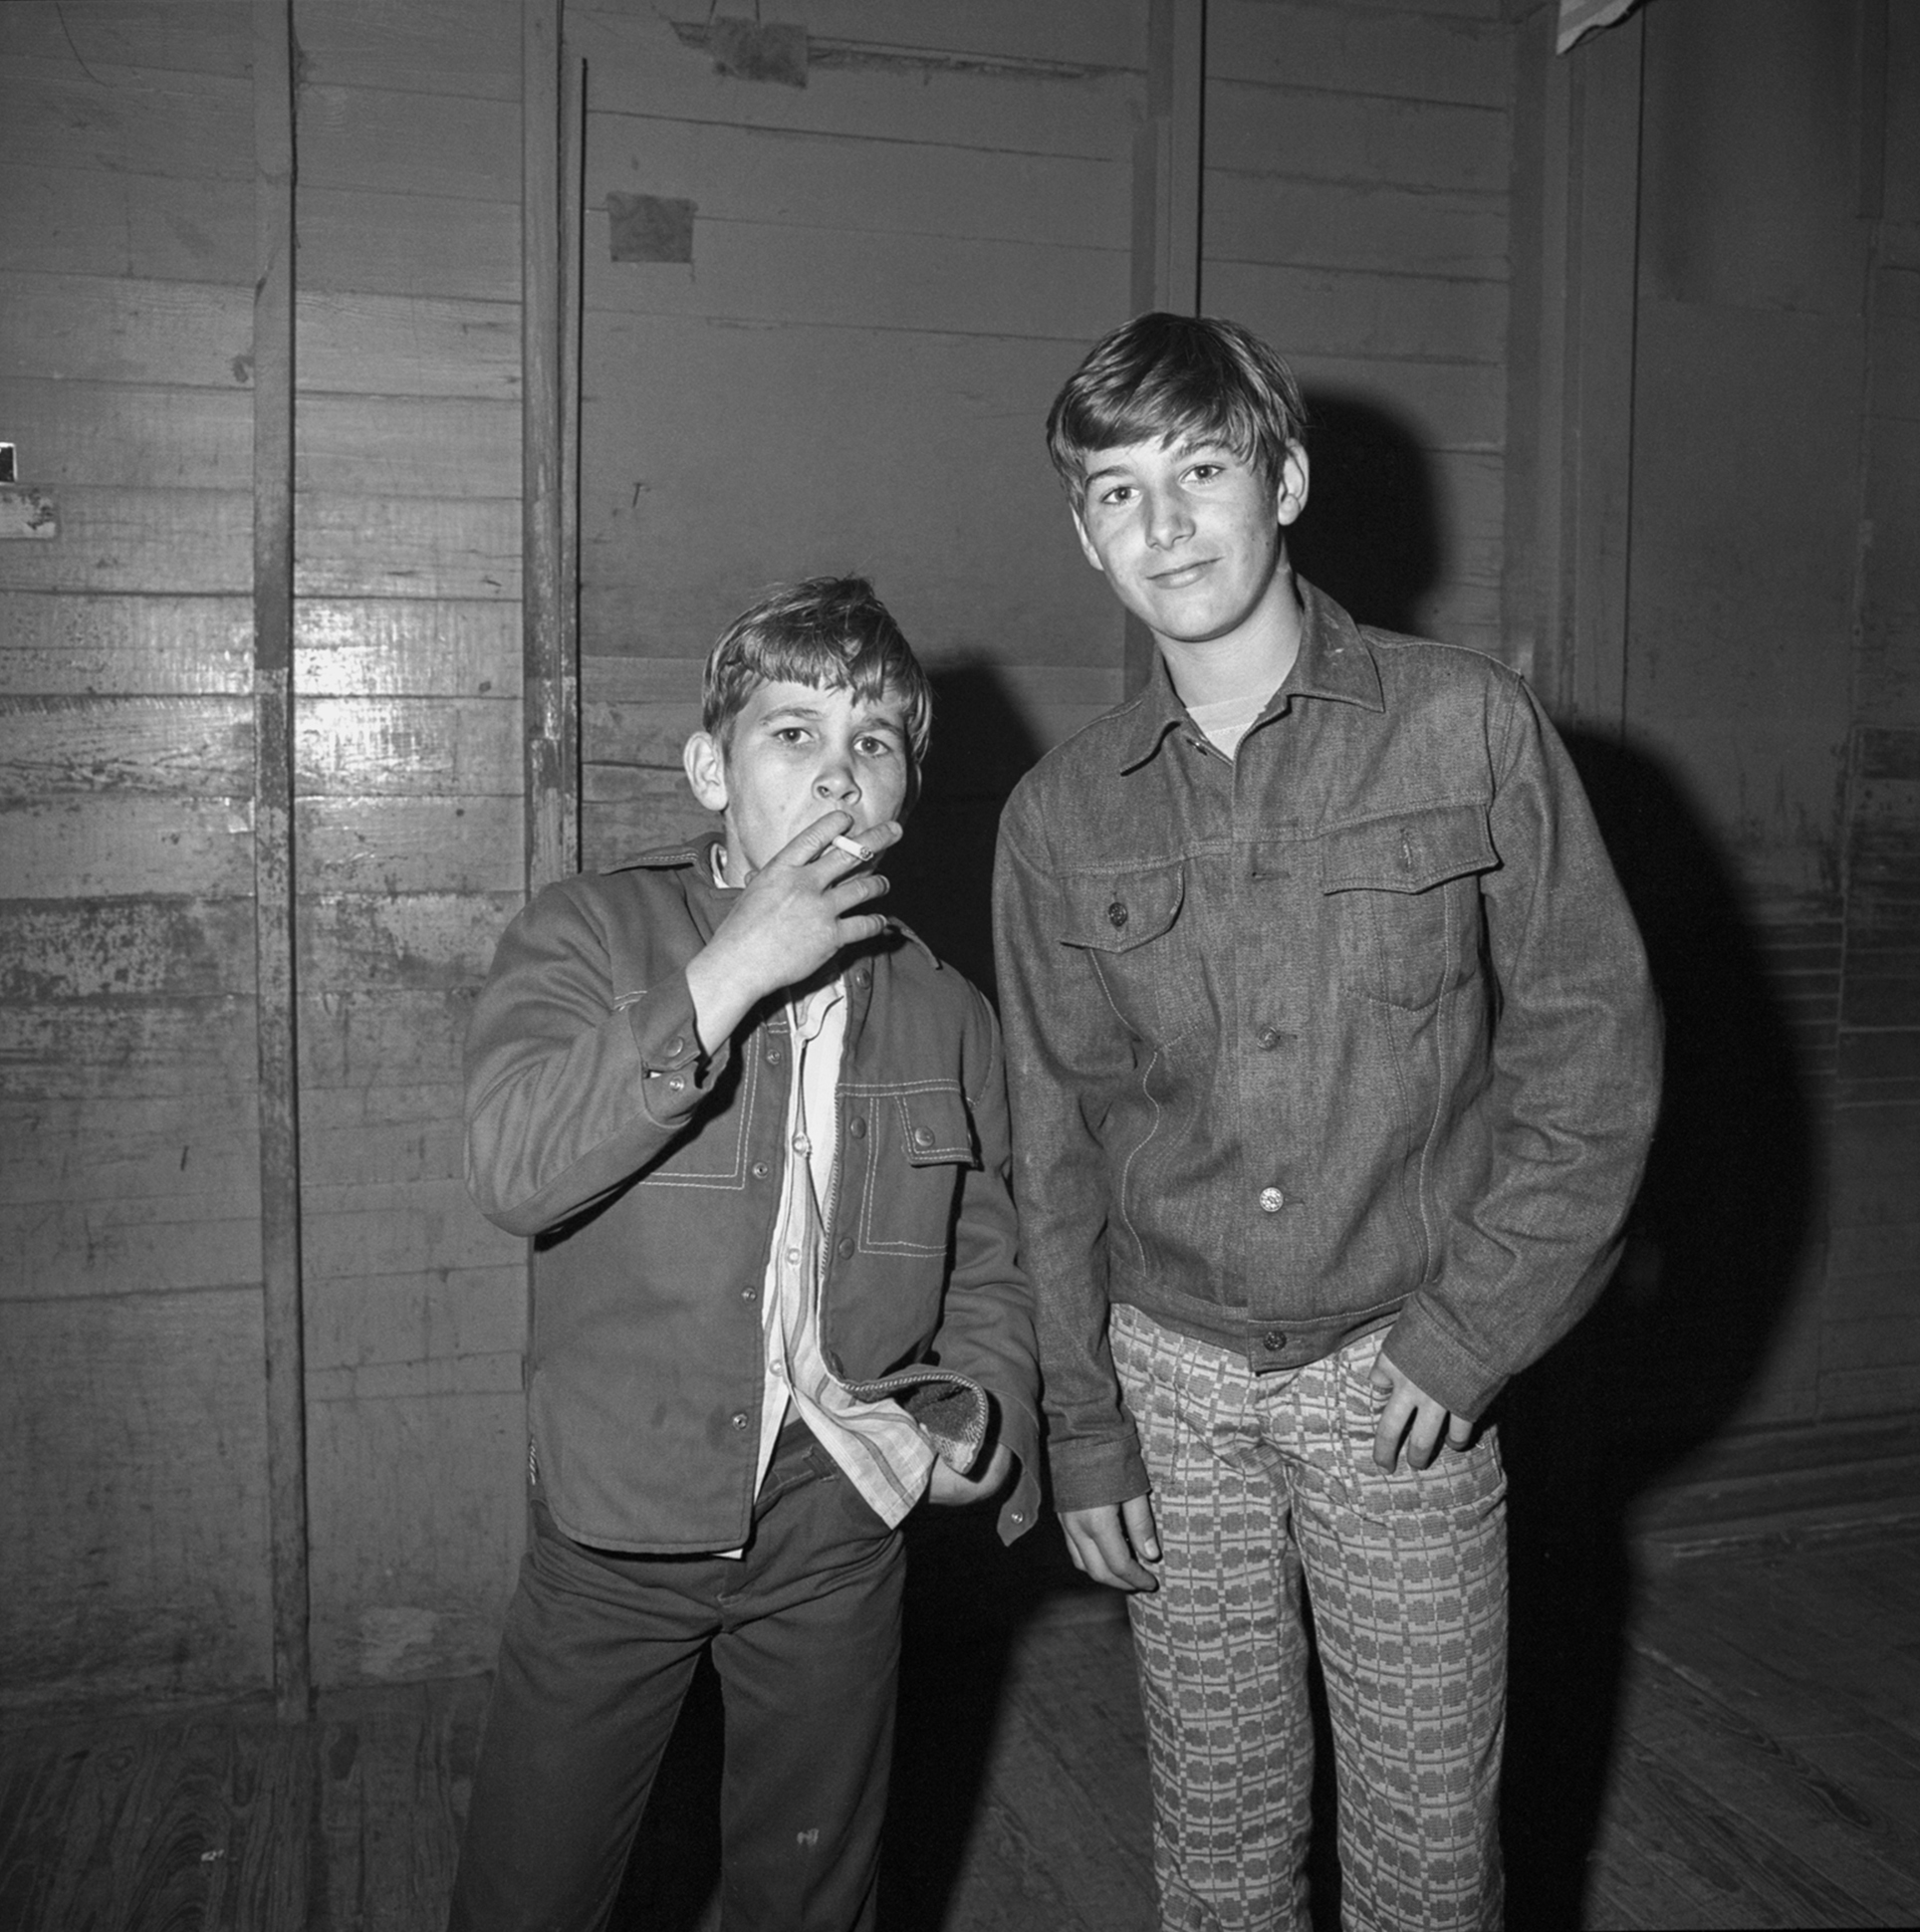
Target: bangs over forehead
(1167, 379)
(829, 632)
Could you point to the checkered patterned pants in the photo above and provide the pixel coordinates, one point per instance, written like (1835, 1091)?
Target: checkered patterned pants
(1261, 1485)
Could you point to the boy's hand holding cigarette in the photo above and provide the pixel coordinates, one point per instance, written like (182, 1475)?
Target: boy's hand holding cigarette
(792, 917)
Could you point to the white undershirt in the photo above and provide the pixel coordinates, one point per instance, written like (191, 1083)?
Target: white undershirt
(1226, 722)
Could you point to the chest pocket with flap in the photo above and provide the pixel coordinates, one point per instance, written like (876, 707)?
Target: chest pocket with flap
(1137, 932)
(1409, 897)
(922, 1141)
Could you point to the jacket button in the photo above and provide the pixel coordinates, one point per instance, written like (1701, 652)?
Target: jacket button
(675, 1048)
(1273, 1341)
(860, 977)
(1272, 1200)
(844, 1247)
(1116, 915)
(760, 1170)
(857, 1128)
(923, 1136)
(676, 1085)
(773, 1056)
(1270, 1038)
(738, 1418)
(1016, 1516)
(750, 1294)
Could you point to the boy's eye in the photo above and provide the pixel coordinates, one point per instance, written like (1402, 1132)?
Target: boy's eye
(1118, 495)
(877, 747)
(790, 734)
(1205, 472)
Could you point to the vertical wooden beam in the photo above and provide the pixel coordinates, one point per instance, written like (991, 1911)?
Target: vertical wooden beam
(1167, 159)
(573, 186)
(272, 844)
(1575, 249)
(1168, 166)
(550, 632)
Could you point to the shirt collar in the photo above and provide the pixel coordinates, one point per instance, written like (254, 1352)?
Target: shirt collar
(1334, 663)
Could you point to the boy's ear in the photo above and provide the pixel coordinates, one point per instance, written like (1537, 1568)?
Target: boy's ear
(706, 768)
(1290, 496)
(1091, 554)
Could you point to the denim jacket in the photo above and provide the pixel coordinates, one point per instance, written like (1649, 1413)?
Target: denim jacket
(649, 1174)
(1351, 1032)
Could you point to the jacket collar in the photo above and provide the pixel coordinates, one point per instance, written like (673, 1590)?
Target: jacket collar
(1334, 663)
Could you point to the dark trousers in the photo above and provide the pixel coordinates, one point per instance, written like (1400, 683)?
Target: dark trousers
(596, 1656)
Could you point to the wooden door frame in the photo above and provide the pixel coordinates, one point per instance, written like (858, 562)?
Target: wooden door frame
(553, 104)
(1574, 247)
(1169, 164)
(274, 878)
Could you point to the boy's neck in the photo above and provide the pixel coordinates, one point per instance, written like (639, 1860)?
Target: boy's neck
(1252, 661)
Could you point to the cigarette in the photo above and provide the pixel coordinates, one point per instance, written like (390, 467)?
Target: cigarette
(853, 851)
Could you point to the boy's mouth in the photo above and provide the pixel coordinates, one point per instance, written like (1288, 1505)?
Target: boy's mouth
(1183, 574)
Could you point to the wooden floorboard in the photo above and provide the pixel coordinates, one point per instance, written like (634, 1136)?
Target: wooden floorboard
(1760, 1744)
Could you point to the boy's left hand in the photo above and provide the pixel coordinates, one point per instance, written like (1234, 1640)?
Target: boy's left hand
(946, 1486)
(1414, 1415)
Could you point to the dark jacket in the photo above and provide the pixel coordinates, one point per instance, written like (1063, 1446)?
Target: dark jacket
(1351, 1031)
(650, 1177)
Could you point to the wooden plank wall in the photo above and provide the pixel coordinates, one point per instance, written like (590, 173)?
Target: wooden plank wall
(1355, 215)
(132, 1388)
(410, 838)
(892, 267)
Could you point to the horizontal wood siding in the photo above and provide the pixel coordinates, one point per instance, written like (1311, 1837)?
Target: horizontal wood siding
(407, 815)
(894, 269)
(1356, 216)
(132, 1444)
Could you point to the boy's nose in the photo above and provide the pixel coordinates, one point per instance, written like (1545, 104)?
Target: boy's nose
(1167, 520)
(836, 784)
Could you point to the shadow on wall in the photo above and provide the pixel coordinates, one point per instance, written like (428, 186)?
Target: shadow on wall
(942, 873)
(1723, 1231)
(1371, 536)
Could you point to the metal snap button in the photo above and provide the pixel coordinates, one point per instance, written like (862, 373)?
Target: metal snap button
(923, 1136)
(1272, 1200)
(1273, 1341)
(857, 1128)
(1116, 915)
(738, 1418)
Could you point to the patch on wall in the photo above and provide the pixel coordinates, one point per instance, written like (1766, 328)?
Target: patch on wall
(747, 50)
(395, 1639)
(650, 229)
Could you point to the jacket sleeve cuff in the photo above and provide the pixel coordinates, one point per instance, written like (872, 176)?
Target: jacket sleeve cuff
(1087, 1475)
(677, 1072)
(1424, 1350)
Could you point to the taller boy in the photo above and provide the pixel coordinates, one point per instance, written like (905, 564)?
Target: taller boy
(1333, 1062)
